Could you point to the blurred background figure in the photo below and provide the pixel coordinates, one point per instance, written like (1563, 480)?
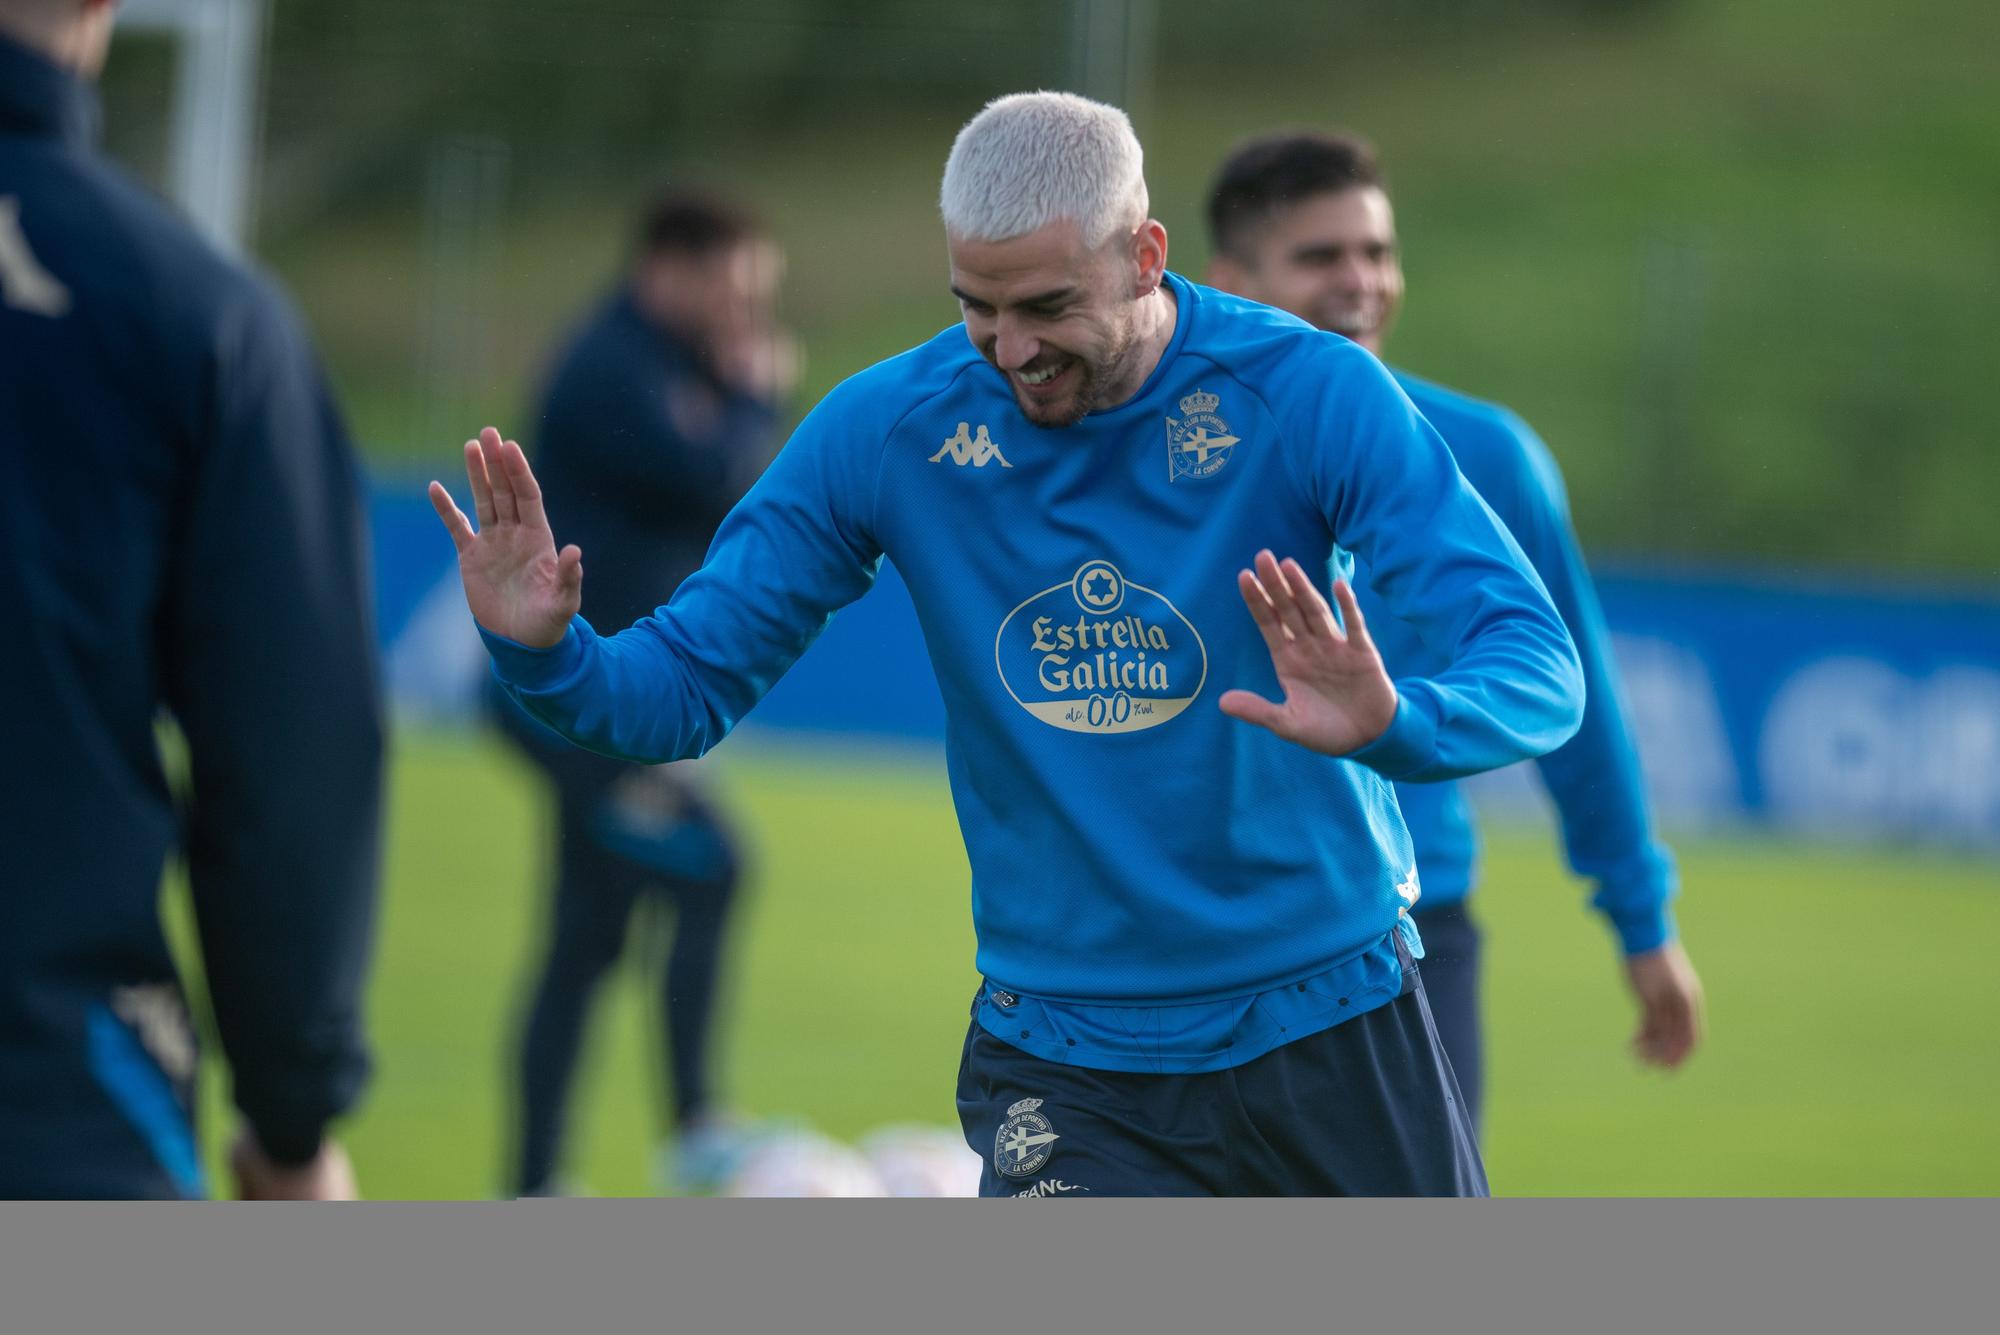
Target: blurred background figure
(1301, 220)
(660, 413)
(180, 529)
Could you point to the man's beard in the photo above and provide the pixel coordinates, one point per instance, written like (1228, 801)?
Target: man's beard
(1092, 380)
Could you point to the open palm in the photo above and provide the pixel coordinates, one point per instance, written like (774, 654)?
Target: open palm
(1338, 696)
(516, 582)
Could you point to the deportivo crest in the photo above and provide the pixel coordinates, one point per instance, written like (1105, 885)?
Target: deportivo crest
(1098, 653)
(1025, 1140)
(1199, 444)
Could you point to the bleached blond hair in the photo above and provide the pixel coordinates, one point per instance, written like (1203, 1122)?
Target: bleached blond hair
(1029, 159)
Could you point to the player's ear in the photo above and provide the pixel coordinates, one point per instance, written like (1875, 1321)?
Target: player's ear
(1149, 254)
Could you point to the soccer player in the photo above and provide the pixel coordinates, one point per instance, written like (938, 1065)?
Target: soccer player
(152, 395)
(1172, 772)
(1301, 220)
(661, 411)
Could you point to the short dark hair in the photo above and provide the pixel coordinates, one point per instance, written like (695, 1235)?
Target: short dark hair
(695, 223)
(1278, 169)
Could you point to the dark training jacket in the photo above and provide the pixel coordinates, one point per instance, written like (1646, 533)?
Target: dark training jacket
(641, 450)
(180, 529)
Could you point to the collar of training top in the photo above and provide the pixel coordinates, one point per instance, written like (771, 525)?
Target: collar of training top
(39, 97)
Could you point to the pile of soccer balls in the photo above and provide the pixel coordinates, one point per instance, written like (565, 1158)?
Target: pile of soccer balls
(895, 1161)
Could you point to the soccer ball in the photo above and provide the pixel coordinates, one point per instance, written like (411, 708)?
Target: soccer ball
(923, 1161)
(803, 1163)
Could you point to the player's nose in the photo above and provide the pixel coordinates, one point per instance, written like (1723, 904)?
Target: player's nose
(1357, 275)
(1014, 348)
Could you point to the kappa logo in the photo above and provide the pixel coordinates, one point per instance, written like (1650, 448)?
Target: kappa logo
(158, 1015)
(1025, 1140)
(976, 450)
(1410, 891)
(24, 284)
(1199, 444)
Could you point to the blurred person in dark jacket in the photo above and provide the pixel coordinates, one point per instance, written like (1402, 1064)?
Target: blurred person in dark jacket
(659, 414)
(181, 530)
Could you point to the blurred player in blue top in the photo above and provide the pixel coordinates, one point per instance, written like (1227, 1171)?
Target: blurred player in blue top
(1170, 756)
(1301, 220)
(153, 395)
(660, 412)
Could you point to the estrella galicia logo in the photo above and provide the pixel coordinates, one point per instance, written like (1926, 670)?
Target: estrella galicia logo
(1025, 1140)
(1098, 653)
(1199, 444)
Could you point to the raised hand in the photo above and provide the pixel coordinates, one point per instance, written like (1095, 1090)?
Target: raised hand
(516, 582)
(1338, 696)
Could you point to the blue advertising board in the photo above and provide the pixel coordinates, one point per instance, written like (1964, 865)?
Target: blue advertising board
(1812, 707)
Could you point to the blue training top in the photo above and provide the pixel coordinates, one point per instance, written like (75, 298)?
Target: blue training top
(1136, 854)
(1594, 778)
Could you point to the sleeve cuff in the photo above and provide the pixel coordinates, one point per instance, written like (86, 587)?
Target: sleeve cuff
(290, 1147)
(1643, 928)
(531, 669)
(1405, 748)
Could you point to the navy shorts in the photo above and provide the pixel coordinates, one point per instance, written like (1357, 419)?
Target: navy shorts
(1451, 986)
(1366, 1108)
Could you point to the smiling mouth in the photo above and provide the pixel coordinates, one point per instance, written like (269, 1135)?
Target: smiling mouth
(1354, 320)
(1041, 377)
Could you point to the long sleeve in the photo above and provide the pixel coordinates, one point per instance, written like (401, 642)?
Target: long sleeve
(1441, 561)
(1594, 778)
(268, 659)
(798, 547)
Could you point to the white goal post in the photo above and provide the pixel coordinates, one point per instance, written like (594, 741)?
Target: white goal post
(212, 154)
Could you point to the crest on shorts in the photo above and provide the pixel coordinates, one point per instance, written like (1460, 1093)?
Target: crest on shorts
(1025, 1140)
(1199, 444)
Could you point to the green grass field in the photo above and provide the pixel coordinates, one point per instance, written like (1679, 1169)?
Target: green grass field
(1852, 1006)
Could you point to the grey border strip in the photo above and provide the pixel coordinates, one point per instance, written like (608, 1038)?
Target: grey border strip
(1026, 1268)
